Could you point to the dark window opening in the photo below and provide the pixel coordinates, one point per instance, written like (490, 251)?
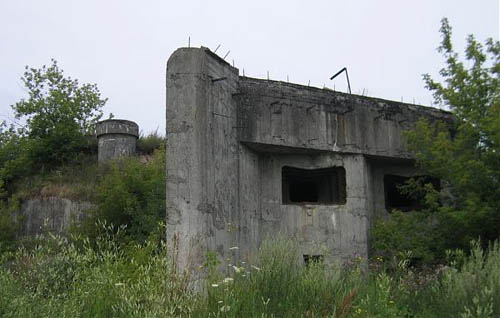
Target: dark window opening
(304, 192)
(313, 259)
(319, 186)
(395, 198)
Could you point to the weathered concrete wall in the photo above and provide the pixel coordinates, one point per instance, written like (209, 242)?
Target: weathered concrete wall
(283, 114)
(116, 138)
(228, 138)
(202, 164)
(339, 229)
(52, 214)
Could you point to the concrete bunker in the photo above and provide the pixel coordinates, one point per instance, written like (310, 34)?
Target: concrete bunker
(250, 158)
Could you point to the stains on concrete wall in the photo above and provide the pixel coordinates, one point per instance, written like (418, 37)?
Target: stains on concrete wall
(284, 114)
(229, 137)
(51, 214)
(117, 138)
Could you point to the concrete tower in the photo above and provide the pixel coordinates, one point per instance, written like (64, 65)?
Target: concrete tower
(116, 138)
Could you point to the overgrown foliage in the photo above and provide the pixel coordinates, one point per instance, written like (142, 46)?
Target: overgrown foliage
(131, 194)
(56, 116)
(466, 156)
(52, 133)
(54, 122)
(147, 144)
(277, 284)
(61, 277)
(73, 278)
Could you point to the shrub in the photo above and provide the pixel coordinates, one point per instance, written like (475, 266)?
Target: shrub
(471, 286)
(403, 232)
(131, 194)
(148, 144)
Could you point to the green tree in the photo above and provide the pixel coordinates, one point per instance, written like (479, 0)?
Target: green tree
(466, 157)
(58, 113)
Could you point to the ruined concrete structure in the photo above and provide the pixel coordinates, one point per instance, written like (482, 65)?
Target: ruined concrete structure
(116, 138)
(250, 158)
(49, 214)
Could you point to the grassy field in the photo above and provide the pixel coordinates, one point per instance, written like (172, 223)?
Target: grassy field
(76, 277)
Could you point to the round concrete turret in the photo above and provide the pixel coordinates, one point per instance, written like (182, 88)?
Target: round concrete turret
(117, 138)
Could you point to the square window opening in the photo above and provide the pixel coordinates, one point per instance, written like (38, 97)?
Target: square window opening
(396, 199)
(312, 259)
(313, 186)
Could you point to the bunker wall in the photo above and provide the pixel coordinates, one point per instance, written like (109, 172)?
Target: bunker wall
(231, 141)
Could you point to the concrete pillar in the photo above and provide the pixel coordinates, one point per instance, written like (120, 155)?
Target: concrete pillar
(117, 138)
(202, 155)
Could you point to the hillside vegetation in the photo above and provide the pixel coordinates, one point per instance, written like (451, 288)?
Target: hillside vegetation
(443, 261)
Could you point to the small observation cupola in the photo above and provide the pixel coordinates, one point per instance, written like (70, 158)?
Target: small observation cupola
(117, 138)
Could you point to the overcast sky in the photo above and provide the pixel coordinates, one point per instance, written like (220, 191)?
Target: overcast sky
(123, 46)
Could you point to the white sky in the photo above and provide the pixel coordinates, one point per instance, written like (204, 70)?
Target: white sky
(123, 46)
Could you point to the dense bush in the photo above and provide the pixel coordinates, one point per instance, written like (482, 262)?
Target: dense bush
(8, 225)
(131, 194)
(412, 232)
(55, 121)
(127, 192)
(464, 155)
(147, 144)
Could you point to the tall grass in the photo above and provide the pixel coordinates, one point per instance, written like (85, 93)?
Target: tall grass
(277, 285)
(61, 277)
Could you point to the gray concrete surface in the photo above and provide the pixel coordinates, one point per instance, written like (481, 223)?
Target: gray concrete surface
(51, 214)
(228, 139)
(117, 138)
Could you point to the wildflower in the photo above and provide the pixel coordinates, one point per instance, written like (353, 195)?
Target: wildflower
(225, 308)
(227, 280)
(238, 269)
(233, 248)
(215, 285)
(255, 267)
